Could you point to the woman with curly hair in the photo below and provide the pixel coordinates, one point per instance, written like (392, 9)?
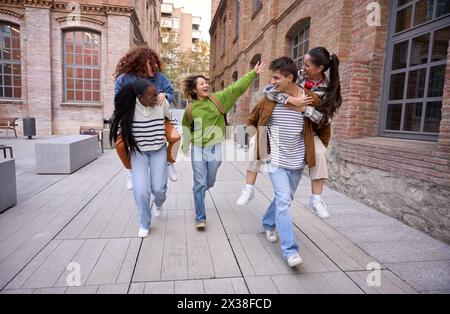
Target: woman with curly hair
(144, 63)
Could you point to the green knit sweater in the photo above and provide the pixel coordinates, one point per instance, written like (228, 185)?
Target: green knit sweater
(209, 123)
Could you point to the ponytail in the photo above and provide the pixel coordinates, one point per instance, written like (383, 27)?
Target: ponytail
(333, 99)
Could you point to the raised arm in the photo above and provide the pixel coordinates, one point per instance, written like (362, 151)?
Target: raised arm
(231, 94)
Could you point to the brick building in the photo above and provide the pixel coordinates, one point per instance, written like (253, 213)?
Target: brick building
(58, 57)
(391, 140)
(184, 24)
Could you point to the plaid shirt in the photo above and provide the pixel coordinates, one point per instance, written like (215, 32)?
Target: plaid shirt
(320, 89)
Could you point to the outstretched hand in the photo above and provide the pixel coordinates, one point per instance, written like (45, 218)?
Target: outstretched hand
(260, 67)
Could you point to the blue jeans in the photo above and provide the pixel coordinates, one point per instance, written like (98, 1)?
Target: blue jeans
(277, 216)
(149, 177)
(205, 163)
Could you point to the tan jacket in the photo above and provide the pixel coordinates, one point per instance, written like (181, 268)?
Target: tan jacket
(260, 116)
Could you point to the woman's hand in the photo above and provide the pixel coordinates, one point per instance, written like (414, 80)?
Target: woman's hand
(299, 103)
(161, 98)
(259, 68)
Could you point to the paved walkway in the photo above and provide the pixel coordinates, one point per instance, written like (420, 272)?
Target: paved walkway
(90, 218)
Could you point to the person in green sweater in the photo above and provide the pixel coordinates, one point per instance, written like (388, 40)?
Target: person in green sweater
(204, 128)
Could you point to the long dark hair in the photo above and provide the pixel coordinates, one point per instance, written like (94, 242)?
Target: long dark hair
(333, 99)
(124, 108)
(190, 84)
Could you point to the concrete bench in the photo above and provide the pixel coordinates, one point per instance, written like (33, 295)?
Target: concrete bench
(65, 155)
(8, 190)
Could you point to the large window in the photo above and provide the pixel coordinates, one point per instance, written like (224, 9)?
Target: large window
(81, 66)
(417, 57)
(300, 45)
(10, 67)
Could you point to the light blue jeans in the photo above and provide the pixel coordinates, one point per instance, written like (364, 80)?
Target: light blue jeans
(277, 216)
(205, 163)
(149, 177)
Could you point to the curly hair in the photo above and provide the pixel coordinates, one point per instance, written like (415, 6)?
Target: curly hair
(135, 62)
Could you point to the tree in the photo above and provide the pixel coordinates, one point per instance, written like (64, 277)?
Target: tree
(170, 53)
(179, 64)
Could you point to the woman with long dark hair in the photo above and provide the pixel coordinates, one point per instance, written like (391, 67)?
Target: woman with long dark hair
(320, 75)
(141, 122)
(204, 130)
(144, 63)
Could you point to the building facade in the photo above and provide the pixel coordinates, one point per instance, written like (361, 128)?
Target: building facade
(58, 57)
(391, 139)
(183, 24)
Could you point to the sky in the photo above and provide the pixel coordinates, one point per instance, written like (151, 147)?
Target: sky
(200, 8)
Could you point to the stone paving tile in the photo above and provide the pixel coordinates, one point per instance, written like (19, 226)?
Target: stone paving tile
(433, 276)
(98, 223)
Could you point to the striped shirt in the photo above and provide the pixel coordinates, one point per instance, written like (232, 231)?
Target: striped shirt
(148, 126)
(286, 138)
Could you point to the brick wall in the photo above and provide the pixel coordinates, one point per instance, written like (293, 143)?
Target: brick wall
(362, 164)
(38, 47)
(42, 65)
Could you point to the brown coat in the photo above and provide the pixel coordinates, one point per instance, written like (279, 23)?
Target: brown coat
(260, 116)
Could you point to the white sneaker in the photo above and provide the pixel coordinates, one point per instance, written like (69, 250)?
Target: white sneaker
(294, 260)
(129, 181)
(320, 208)
(157, 211)
(246, 196)
(200, 224)
(143, 233)
(271, 236)
(172, 173)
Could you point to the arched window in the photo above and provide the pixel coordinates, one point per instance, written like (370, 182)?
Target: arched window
(299, 36)
(81, 66)
(255, 60)
(10, 65)
(234, 77)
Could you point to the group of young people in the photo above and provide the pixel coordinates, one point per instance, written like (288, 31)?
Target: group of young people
(291, 125)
